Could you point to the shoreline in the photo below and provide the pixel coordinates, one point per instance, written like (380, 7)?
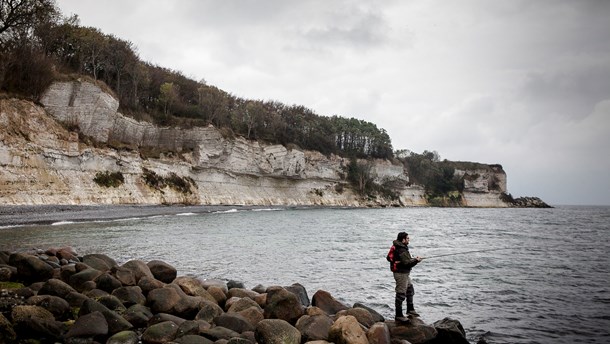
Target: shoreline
(44, 215)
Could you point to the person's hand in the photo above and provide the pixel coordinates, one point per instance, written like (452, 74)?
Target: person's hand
(419, 259)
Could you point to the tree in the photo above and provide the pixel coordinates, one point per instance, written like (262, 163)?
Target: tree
(18, 17)
(169, 95)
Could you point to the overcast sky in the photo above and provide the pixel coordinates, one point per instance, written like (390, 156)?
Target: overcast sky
(525, 84)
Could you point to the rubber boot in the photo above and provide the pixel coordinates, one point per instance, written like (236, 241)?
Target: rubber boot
(398, 304)
(410, 307)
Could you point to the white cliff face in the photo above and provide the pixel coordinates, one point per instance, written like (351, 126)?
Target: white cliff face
(42, 162)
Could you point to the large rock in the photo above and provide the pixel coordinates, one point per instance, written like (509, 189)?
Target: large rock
(209, 311)
(219, 333)
(276, 331)
(376, 316)
(450, 331)
(21, 313)
(7, 333)
(99, 261)
(124, 337)
(193, 339)
(30, 268)
(107, 282)
(160, 333)
(130, 295)
(314, 327)
(79, 280)
(415, 332)
(325, 301)
(379, 333)
(163, 300)
(300, 291)
(347, 330)
(162, 271)
(138, 268)
(193, 287)
(59, 307)
(89, 325)
(234, 321)
(282, 304)
(116, 323)
(138, 315)
(124, 275)
(56, 287)
(241, 304)
(362, 315)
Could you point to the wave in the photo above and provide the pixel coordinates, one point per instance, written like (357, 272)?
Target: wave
(186, 214)
(59, 223)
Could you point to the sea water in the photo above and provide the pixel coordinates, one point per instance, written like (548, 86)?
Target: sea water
(508, 275)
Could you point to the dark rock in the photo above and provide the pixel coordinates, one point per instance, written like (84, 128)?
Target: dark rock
(234, 321)
(192, 339)
(300, 292)
(76, 299)
(36, 286)
(282, 304)
(163, 317)
(260, 289)
(67, 253)
(56, 287)
(124, 275)
(243, 303)
(66, 271)
(4, 257)
(160, 333)
(276, 331)
(415, 332)
(193, 287)
(138, 268)
(123, 337)
(138, 315)
(116, 323)
(253, 314)
(79, 279)
(242, 292)
(235, 284)
(30, 268)
(7, 272)
(219, 332)
(218, 294)
(44, 330)
(59, 307)
(95, 293)
(314, 327)
(195, 327)
(215, 283)
(237, 340)
(24, 293)
(376, 316)
(163, 300)
(130, 295)
(379, 334)
(323, 300)
(162, 271)
(7, 333)
(147, 284)
(89, 325)
(112, 303)
(107, 282)
(209, 311)
(450, 331)
(99, 261)
(22, 312)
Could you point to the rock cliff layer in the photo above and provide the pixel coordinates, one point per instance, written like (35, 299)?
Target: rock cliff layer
(44, 160)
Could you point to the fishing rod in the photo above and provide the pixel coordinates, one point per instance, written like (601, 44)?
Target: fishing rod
(466, 252)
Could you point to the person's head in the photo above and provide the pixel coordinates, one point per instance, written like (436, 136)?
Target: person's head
(402, 236)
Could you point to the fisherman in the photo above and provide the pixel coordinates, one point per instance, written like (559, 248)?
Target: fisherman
(401, 263)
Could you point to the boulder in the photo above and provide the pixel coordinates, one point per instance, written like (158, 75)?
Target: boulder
(21, 313)
(347, 330)
(219, 333)
(233, 321)
(116, 323)
(376, 316)
(207, 284)
(162, 271)
(162, 300)
(67, 253)
(193, 287)
(362, 315)
(30, 268)
(282, 304)
(99, 261)
(235, 284)
(107, 282)
(450, 331)
(192, 339)
(160, 333)
(113, 303)
(7, 272)
(89, 325)
(75, 299)
(415, 332)
(276, 331)
(195, 327)
(7, 333)
(138, 268)
(138, 315)
(78, 280)
(56, 287)
(209, 311)
(51, 330)
(130, 295)
(124, 275)
(379, 334)
(324, 300)
(124, 337)
(147, 284)
(300, 292)
(314, 327)
(187, 306)
(59, 307)
(217, 294)
(241, 292)
(239, 305)
(163, 317)
(253, 314)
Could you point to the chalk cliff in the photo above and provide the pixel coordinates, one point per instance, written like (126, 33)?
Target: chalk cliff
(51, 154)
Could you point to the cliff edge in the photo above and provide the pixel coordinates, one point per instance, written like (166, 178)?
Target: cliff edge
(76, 148)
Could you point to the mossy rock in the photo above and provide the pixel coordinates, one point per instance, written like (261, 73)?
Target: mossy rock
(11, 285)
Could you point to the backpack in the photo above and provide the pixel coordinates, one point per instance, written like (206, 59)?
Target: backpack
(390, 258)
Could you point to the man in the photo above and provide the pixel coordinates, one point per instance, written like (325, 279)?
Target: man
(401, 264)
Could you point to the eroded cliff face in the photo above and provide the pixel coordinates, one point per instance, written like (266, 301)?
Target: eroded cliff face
(42, 162)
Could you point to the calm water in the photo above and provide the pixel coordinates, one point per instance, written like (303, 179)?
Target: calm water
(548, 282)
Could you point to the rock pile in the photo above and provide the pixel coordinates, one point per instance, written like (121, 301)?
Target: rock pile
(56, 296)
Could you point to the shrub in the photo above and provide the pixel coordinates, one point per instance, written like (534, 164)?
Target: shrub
(109, 179)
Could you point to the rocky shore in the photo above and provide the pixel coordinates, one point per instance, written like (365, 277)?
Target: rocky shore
(58, 296)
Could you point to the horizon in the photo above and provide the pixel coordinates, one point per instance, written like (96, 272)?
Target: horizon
(526, 86)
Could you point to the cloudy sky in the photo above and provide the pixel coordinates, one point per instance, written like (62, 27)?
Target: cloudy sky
(525, 84)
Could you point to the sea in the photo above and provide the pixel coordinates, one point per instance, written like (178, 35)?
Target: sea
(507, 275)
